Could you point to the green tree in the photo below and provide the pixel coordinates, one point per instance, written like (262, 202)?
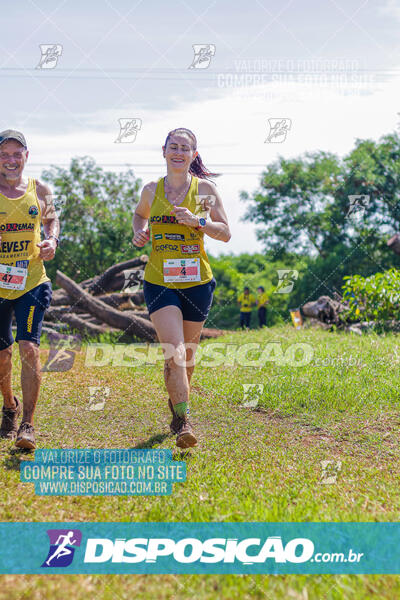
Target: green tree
(293, 204)
(95, 210)
(304, 206)
(304, 203)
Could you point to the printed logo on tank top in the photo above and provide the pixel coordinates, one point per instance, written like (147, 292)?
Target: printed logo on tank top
(174, 236)
(166, 247)
(171, 219)
(190, 248)
(17, 227)
(14, 248)
(33, 211)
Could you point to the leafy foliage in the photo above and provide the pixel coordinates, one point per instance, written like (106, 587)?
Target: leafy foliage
(96, 217)
(303, 206)
(232, 273)
(374, 298)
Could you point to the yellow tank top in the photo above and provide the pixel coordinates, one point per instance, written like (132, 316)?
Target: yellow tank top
(20, 220)
(170, 240)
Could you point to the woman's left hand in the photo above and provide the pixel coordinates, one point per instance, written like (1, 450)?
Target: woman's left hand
(185, 217)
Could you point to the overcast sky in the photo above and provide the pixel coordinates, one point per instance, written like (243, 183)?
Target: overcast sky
(330, 69)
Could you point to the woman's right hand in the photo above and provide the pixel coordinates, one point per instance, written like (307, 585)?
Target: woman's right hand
(141, 237)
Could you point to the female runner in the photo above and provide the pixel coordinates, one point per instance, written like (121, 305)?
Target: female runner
(178, 281)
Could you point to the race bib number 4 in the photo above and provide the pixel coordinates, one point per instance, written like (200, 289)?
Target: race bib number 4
(12, 278)
(181, 270)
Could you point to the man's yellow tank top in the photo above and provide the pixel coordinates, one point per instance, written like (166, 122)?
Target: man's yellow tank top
(20, 220)
(172, 240)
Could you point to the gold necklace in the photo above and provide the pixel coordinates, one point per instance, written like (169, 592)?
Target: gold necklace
(185, 191)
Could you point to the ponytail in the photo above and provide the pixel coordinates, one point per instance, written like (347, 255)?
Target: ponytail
(197, 167)
(199, 170)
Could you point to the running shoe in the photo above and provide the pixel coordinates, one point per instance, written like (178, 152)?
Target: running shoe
(9, 425)
(185, 437)
(26, 436)
(182, 428)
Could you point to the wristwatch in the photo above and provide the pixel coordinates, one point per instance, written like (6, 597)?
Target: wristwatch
(202, 223)
(54, 238)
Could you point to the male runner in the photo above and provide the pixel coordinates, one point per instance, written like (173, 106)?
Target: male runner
(25, 288)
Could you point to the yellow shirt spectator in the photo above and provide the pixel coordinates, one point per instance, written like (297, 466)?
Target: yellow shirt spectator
(262, 300)
(246, 302)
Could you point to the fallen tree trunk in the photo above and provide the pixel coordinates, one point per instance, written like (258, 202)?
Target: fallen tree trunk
(137, 298)
(324, 309)
(131, 325)
(84, 326)
(326, 313)
(52, 332)
(60, 298)
(57, 314)
(58, 326)
(121, 301)
(140, 314)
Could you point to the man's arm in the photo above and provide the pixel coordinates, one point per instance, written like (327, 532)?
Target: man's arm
(51, 224)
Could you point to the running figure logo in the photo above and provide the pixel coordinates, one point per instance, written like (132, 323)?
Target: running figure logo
(50, 55)
(287, 277)
(252, 392)
(62, 352)
(278, 130)
(61, 551)
(202, 56)
(358, 204)
(97, 397)
(204, 203)
(54, 205)
(133, 280)
(128, 129)
(330, 471)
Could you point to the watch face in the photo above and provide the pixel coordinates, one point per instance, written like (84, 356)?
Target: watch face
(202, 222)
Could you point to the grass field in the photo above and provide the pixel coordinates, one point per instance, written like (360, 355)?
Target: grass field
(252, 464)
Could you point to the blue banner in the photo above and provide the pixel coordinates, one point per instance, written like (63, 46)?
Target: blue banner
(204, 548)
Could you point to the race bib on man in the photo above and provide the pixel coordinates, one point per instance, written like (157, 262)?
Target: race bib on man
(181, 270)
(12, 278)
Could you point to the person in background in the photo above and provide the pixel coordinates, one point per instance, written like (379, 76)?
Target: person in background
(262, 301)
(246, 301)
